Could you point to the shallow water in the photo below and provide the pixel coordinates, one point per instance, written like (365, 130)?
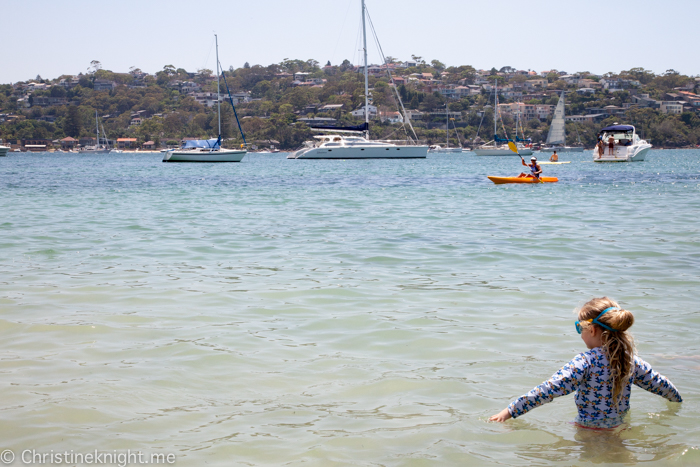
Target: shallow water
(370, 312)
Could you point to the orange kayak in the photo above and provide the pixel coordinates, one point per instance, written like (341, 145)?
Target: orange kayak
(522, 179)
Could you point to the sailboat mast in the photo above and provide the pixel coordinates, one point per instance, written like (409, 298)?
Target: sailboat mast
(447, 127)
(218, 102)
(97, 131)
(495, 112)
(364, 38)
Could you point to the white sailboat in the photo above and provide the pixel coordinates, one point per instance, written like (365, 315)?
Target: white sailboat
(493, 148)
(208, 150)
(556, 138)
(437, 149)
(97, 148)
(354, 142)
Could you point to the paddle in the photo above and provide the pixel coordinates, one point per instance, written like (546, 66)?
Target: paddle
(514, 148)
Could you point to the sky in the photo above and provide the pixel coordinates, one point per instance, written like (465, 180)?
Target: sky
(50, 38)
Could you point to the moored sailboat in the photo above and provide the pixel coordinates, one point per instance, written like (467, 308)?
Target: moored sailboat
(352, 142)
(209, 150)
(556, 138)
(499, 146)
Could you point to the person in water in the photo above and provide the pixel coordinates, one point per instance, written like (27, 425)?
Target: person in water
(554, 157)
(602, 377)
(535, 168)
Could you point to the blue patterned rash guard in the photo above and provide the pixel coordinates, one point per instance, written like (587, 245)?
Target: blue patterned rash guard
(588, 374)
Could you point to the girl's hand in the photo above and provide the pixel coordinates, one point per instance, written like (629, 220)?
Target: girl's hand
(501, 416)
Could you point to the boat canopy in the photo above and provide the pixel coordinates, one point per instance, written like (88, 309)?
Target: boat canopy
(214, 143)
(518, 139)
(358, 128)
(618, 128)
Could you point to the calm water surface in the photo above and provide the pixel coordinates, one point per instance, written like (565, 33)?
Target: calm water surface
(289, 312)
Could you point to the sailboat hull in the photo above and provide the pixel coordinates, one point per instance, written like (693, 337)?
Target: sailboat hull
(501, 152)
(562, 149)
(381, 152)
(204, 156)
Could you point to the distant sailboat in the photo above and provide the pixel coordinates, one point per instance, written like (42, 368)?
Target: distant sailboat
(556, 138)
(97, 148)
(497, 146)
(447, 149)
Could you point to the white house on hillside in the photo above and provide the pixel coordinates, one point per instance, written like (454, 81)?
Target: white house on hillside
(372, 111)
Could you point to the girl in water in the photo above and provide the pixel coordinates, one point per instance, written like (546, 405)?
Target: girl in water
(602, 377)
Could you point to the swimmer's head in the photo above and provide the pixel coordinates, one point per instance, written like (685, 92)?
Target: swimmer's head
(617, 343)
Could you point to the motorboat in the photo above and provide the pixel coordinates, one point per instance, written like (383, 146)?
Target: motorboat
(499, 146)
(209, 150)
(628, 146)
(556, 138)
(353, 142)
(3, 151)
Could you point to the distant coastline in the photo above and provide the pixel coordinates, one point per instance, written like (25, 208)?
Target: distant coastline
(277, 103)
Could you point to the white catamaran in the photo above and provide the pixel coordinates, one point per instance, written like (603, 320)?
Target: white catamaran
(556, 138)
(353, 142)
(209, 150)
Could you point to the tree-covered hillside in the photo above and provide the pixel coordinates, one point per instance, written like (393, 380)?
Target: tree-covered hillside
(273, 101)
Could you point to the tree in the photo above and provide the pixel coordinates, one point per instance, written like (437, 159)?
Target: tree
(95, 65)
(438, 65)
(72, 123)
(246, 65)
(346, 65)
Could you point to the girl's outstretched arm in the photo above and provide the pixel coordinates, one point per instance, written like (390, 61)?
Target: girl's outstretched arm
(646, 378)
(564, 381)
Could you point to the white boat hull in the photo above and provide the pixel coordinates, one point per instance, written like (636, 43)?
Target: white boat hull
(446, 151)
(380, 152)
(223, 155)
(94, 151)
(635, 153)
(563, 149)
(3, 150)
(501, 152)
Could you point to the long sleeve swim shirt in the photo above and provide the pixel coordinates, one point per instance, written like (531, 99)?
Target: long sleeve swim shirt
(588, 374)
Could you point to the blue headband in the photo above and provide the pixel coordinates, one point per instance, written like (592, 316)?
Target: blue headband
(595, 321)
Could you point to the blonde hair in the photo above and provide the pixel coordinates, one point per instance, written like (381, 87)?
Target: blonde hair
(618, 345)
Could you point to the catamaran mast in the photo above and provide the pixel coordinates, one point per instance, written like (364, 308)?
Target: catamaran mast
(218, 102)
(364, 38)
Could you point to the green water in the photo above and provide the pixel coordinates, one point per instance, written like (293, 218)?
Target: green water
(291, 312)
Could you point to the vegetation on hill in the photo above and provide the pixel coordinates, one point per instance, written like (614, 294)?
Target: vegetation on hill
(158, 107)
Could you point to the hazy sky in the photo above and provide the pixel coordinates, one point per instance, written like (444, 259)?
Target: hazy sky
(50, 38)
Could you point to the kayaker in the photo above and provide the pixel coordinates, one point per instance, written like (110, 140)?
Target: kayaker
(535, 168)
(601, 377)
(554, 157)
